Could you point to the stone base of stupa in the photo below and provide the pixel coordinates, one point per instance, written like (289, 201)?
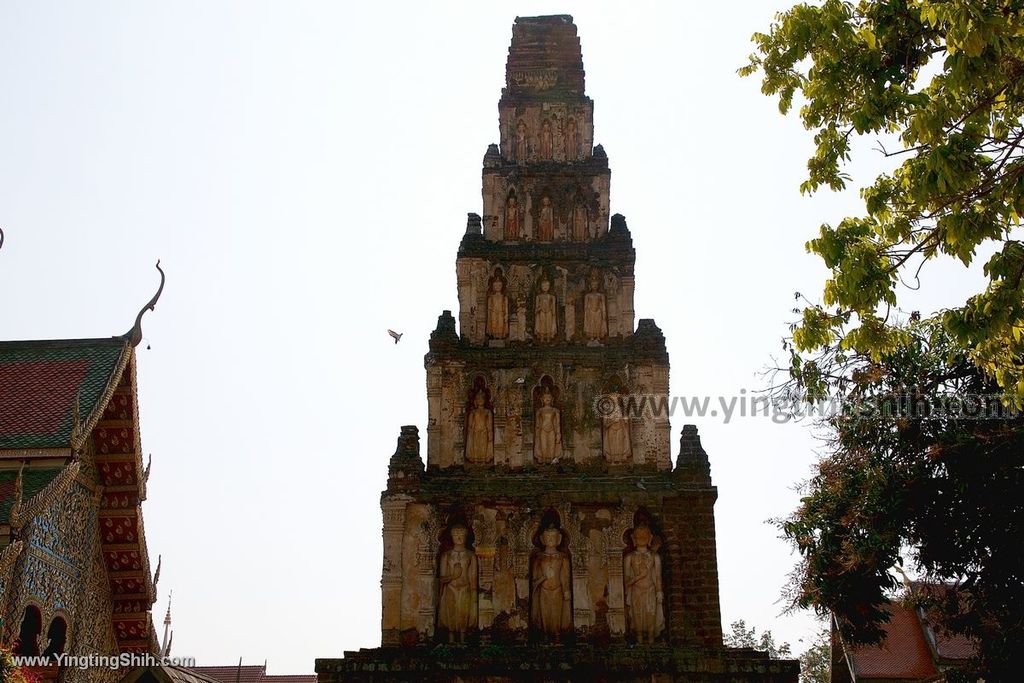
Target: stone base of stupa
(590, 664)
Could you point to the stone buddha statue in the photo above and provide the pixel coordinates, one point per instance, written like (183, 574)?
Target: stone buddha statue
(512, 218)
(545, 313)
(546, 224)
(641, 574)
(457, 605)
(617, 448)
(521, 148)
(579, 221)
(479, 432)
(497, 310)
(547, 431)
(550, 587)
(595, 313)
(571, 141)
(545, 140)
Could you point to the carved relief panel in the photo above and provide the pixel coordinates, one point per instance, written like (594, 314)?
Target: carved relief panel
(419, 553)
(393, 508)
(53, 570)
(446, 410)
(556, 131)
(589, 571)
(514, 303)
(544, 209)
(483, 417)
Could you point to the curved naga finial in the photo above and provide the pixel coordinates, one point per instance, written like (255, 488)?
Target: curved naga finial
(135, 335)
(1, 238)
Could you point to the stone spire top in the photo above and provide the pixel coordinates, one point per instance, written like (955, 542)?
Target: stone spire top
(545, 59)
(545, 117)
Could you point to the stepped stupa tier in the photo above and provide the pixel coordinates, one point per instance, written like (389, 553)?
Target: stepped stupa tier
(545, 286)
(547, 535)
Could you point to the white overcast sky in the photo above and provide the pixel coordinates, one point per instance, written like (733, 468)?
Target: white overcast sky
(304, 170)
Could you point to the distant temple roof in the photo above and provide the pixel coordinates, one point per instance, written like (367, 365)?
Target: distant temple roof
(903, 654)
(250, 673)
(166, 673)
(915, 646)
(46, 386)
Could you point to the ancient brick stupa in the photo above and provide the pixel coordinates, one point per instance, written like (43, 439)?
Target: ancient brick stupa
(549, 536)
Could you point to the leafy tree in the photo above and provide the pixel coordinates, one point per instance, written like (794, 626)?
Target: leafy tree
(816, 661)
(945, 78)
(924, 470)
(907, 481)
(741, 636)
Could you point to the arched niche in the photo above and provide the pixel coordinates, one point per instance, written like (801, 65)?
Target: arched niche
(479, 424)
(547, 421)
(458, 581)
(31, 627)
(643, 578)
(57, 636)
(616, 407)
(551, 581)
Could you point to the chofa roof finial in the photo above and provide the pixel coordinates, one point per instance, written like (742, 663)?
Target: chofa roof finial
(135, 335)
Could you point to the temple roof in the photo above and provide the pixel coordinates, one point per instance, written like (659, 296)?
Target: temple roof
(903, 654)
(545, 58)
(45, 386)
(167, 673)
(250, 673)
(916, 644)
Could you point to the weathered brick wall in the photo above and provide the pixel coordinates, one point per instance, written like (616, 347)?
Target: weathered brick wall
(694, 613)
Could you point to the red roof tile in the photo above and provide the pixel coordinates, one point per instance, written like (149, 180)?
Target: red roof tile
(250, 673)
(953, 646)
(42, 384)
(903, 654)
(948, 646)
(35, 395)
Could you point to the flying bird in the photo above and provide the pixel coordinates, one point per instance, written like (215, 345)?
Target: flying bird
(395, 335)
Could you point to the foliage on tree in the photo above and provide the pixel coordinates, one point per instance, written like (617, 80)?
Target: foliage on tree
(924, 471)
(946, 79)
(816, 661)
(741, 636)
(912, 477)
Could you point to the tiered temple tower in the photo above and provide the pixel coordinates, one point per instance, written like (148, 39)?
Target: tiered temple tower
(549, 536)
